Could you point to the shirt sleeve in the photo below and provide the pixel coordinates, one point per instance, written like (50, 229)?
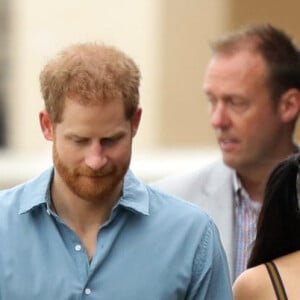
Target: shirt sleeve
(210, 278)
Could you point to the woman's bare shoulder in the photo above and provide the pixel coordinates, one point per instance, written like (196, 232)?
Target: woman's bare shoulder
(253, 284)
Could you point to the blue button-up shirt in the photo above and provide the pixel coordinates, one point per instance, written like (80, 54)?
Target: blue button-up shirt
(153, 247)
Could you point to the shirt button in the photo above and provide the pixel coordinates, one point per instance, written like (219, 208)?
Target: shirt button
(78, 247)
(87, 291)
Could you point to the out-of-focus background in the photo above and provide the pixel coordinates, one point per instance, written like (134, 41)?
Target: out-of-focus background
(169, 40)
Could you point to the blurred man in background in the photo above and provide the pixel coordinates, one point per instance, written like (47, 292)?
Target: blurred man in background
(252, 83)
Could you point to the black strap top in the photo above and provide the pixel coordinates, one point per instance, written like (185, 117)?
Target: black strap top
(276, 281)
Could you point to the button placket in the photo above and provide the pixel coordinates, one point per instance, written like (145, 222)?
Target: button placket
(78, 247)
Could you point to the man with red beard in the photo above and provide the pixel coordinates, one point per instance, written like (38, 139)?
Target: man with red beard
(252, 83)
(87, 228)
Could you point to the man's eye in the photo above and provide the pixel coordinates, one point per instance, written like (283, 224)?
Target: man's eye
(238, 105)
(235, 102)
(108, 141)
(212, 102)
(79, 141)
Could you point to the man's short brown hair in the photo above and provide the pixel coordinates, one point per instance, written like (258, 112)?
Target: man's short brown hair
(281, 55)
(90, 73)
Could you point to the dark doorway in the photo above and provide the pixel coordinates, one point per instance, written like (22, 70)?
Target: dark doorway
(4, 68)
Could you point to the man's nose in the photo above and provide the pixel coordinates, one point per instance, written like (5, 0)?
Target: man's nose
(219, 117)
(96, 158)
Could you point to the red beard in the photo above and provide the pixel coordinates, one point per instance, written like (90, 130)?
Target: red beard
(88, 184)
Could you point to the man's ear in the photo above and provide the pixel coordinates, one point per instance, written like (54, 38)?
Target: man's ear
(135, 121)
(289, 105)
(46, 125)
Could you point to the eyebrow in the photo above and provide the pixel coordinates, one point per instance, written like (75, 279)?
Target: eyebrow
(83, 136)
(115, 136)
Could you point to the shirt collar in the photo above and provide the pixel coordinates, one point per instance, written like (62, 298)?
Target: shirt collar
(241, 195)
(237, 185)
(36, 191)
(135, 196)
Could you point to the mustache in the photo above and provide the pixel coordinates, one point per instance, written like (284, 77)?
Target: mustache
(93, 173)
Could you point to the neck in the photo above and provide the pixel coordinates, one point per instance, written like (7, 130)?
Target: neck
(254, 186)
(79, 214)
(254, 178)
(82, 216)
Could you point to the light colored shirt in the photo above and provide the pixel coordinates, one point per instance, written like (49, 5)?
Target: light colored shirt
(153, 247)
(246, 214)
